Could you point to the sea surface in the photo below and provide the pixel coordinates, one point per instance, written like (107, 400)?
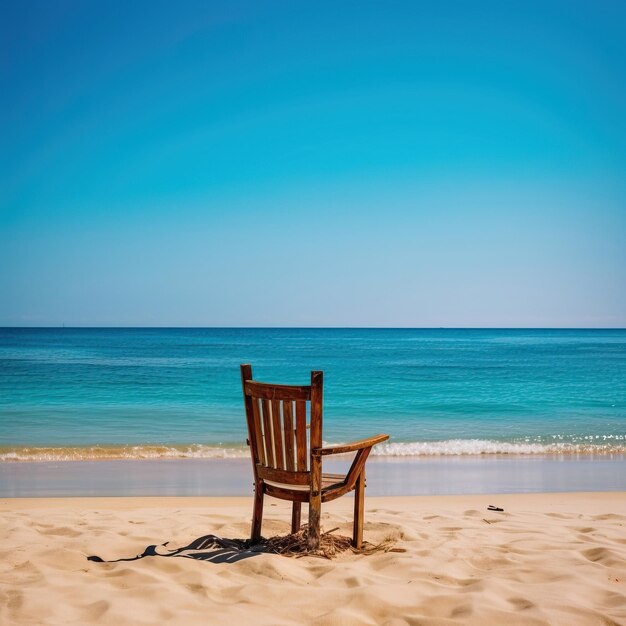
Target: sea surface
(82, 394)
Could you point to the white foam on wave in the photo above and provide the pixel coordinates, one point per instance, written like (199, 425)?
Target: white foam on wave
(105, 453)
(450, 447)
(462, 447)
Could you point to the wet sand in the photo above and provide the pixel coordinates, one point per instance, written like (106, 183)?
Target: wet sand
(389, 476)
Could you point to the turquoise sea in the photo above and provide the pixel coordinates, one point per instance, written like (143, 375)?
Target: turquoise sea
(151, 393)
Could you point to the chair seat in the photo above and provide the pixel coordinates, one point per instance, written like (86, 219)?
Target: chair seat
(329, 481)
(333, 486)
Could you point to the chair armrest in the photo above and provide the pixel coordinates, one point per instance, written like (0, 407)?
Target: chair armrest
(350, 447)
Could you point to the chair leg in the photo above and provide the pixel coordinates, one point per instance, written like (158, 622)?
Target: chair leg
(315, 510)
(257, 513)
(296, 512)
(359, 500)
(315, 504)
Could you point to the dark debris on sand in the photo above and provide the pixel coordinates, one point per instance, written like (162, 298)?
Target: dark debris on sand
(295, 545)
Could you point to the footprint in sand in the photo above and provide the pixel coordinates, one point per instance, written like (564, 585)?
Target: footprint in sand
(521, 603)
(464, 610)
(196, 588)
(27, 573)
(601, 555)
(14, 600)
(607, 516)
(96, 610)
(614, 599)
(64, 531)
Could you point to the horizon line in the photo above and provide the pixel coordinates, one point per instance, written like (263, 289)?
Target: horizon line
(121, 327)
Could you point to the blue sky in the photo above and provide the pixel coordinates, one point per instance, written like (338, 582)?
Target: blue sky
(313, 164)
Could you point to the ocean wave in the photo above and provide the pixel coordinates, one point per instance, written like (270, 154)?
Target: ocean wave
(477, 447)
(108, 453)
(450, 447)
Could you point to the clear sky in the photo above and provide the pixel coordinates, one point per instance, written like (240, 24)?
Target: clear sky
(313, 163)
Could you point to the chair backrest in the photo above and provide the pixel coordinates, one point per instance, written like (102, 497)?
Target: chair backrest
(280, 441)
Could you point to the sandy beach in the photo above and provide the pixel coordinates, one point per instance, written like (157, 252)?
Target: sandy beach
(546, 559)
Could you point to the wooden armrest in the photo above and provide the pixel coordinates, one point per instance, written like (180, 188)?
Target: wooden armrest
(350, 447)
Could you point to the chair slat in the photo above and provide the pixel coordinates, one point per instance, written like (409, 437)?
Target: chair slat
(301, 447)
(277, 392)
(283, 476)
(277, 433)
(289, 435)
(258, 431)
(267, 433)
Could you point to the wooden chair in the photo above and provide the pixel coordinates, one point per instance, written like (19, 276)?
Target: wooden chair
(287, 461)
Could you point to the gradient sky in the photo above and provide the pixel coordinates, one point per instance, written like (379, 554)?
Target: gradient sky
(313, 164)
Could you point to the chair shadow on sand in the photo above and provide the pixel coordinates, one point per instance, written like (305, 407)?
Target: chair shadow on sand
(218, 550)
(208, 548)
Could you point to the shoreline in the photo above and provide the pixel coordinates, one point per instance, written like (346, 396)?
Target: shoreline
(387, 476)
(556, 558)
(536, 500)
(572, 454)
(401, 449)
